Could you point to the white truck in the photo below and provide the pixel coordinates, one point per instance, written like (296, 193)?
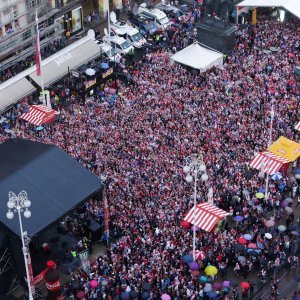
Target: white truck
(158, 17)
(131, 34)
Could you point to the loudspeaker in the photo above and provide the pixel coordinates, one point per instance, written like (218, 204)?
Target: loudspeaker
(216, 34)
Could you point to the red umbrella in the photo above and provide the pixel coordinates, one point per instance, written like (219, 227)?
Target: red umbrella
(93, 284)
(80, 295)
(245, 285)
(185, 224)
(242, 241)
(252, 246)
(195, 273)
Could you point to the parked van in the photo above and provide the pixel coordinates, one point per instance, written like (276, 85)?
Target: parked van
(158, 17)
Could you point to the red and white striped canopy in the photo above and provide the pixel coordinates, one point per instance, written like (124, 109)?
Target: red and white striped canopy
(297, 127)
(207, 216)
(39, 114)
(260, 162)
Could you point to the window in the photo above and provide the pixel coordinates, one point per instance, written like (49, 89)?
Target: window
(6, 12)
(15, 10)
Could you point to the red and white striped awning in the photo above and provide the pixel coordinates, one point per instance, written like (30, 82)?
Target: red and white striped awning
(207, 216)
(39, 114)
(297, 127)
(260, 162)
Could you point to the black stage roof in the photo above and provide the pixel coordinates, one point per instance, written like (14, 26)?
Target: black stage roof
(55, 183)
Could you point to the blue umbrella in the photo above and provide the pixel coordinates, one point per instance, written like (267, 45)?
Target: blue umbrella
(247, 237)
(261, 190)
(125, 295)
(276, 176)
(104, 65)
(238, 218)
(145, 295)
(260, 245)
(251, 203)
(39, 128)
(251, 251)
(203, 278)
(187, 259)
(212, 295)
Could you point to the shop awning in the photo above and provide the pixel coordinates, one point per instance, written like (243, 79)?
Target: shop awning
(260, 162)
(286, 148)
(39, 114)
(297, 127)
(53, 68)
(207, 216)
(293, 6)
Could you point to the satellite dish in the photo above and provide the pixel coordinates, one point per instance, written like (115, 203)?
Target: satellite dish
(105, 31)
(113, 17)
(91, 33)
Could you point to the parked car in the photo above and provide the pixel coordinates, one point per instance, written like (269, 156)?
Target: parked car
(170, 10)
(144, 25)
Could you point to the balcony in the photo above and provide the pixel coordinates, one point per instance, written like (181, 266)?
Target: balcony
(6, 4)
(12, 16)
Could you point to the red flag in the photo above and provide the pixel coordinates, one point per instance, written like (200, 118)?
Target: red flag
(106, 216)
(38, 54)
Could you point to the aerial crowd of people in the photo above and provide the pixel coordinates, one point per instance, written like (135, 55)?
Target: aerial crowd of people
(140, 142)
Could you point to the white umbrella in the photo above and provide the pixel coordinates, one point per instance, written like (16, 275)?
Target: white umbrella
(207, 288)
(270, 223)
(281, 228)
(288, 209)
(90, 72)
(268, 235)
(246, 192)
(289, 200)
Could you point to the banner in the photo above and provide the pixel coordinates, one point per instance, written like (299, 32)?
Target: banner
(39, 278)
(30, 273)
(106, 217)
(85, 263)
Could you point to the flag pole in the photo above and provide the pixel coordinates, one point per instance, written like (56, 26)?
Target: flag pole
(38, 53)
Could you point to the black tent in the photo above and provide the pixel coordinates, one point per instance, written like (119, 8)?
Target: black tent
(55, 184)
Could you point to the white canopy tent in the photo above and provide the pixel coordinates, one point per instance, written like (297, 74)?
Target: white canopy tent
(198, 57)
(53, 68)
(293, 6)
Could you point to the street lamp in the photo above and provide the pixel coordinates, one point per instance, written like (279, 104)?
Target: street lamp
(272, 113)
(20, 204)
(194, 166)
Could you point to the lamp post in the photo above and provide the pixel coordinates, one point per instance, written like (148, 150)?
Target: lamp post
(18, 204)
(272, 113)
(194, 167)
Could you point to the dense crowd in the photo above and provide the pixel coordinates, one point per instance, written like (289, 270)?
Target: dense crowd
(140, 143)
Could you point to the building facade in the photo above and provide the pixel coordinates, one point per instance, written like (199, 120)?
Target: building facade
(18, 26)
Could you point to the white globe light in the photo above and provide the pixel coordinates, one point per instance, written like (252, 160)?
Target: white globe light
(27, 203)
(189, 178)
(202, 167)
(186, 169)
(204, 177)
(9, 215)
(27, 214)
(10, 204)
